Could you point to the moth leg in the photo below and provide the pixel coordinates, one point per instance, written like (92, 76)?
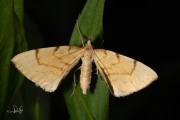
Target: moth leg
(99, 75)
(97, 72)
(74, 83)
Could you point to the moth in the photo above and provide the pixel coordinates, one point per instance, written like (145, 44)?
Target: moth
(47, 67)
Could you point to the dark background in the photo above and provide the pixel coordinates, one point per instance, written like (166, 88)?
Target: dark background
(131, 29)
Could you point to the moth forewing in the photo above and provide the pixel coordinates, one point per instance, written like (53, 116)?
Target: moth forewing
(123, 74)
(46, 67)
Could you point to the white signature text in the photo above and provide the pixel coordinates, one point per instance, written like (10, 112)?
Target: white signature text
(16, 109)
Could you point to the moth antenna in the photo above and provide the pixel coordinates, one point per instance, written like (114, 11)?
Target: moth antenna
(80, 33)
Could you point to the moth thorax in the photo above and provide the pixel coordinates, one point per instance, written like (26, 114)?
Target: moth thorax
(86, 70)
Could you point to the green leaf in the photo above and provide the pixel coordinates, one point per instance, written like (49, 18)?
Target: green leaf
(12, 41)
(95, 104)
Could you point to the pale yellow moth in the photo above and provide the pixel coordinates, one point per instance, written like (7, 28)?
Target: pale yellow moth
(47, 67)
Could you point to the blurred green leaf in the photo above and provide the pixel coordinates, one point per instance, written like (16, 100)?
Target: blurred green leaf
(95, 104)
(12, 41)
